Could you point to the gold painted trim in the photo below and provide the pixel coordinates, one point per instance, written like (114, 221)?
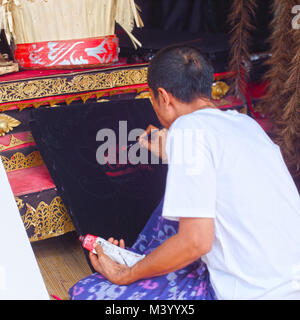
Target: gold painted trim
(88, 71)
(20, 161)
(144, 95)
(47, 220)
(41, 88)
(19, 202)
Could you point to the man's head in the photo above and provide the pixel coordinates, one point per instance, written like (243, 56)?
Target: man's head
(180, 81)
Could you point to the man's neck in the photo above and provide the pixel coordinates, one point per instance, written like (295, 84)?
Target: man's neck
(197, 104)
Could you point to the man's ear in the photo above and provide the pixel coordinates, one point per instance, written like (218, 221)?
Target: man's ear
(163, 97)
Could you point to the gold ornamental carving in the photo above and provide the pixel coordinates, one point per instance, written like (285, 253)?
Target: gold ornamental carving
(7, 124)
(19, 202)
(20, 161)
(47, 220)
(48, 87)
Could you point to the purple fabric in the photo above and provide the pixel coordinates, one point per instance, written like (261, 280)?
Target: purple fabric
(189, 283)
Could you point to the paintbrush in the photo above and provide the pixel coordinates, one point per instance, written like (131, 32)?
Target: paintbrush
(146, 137)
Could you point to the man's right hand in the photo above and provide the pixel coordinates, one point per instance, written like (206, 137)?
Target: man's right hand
(155, 140)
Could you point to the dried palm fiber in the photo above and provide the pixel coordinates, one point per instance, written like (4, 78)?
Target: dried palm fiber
(30, 21)
(240, 20)
(281, 54)
(126, 15)
(281, 102)
(287, 123)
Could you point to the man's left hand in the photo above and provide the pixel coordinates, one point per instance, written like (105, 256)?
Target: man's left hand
(114, 272)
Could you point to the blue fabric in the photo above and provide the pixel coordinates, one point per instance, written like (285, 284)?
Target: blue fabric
(189, 283)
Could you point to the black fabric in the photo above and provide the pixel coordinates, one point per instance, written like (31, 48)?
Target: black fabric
(201, 23)
(158, 39)
(4, 46)
(215, 46)
(199, 16)
(187, 15)
(99, 204)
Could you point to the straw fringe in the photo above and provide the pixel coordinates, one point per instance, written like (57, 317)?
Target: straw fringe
(282, 99)
(242, 11)
(282, 52)
(28, 21)
(286, 127)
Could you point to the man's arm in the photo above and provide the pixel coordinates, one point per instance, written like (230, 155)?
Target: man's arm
(194, 239)
(157, 142)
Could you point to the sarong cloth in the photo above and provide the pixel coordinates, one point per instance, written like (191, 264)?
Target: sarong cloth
(189, 283)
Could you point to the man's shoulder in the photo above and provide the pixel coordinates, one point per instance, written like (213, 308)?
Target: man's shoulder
(191, 120)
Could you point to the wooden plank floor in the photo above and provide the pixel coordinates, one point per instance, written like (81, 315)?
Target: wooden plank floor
(62, 263)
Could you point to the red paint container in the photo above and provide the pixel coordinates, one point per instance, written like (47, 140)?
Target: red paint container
(119, 255)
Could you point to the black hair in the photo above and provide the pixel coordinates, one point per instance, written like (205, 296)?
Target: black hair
(182, 71)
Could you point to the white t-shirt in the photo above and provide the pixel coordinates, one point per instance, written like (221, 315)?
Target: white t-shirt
(222, 165)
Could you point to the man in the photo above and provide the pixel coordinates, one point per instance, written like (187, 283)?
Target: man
(237, 205)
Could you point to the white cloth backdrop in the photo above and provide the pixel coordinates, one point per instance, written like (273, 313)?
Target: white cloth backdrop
(20, 277)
